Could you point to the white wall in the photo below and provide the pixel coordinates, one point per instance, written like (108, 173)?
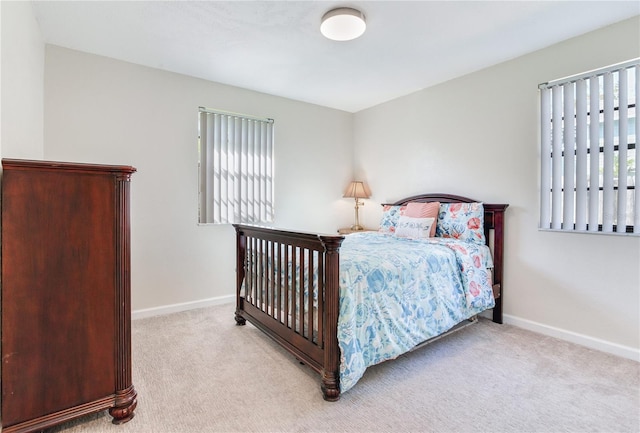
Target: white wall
(478, 136)
(106, 111)
(22, 81)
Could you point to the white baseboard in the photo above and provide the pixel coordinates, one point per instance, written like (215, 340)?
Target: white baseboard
(573, 337)
(176, 308)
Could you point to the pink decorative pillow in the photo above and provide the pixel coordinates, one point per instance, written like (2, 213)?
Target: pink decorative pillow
(424, 210)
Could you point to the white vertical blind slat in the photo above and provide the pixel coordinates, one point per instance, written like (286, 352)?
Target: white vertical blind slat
(623, 131)
(636, 200)
(581, 155)
(607, 170)
(257, 148)
(237, 169)
(231, 177)
(224, 172)
(270, 174)
(211, 159)
(250, 171)
(545, 161)
(217, 216)
(203, 166)
(245, 172)
(594, 154)
(258, 179)
(211, 127)
(557, 166)
(569, 159)
(263, 171)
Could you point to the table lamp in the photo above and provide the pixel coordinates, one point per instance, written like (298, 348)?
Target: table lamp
(357, 190)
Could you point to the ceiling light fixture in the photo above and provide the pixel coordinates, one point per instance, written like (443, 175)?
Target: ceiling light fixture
(343, 24)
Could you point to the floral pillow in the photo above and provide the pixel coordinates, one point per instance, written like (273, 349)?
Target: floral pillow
(390, 216)
(463, 221)
(414, 228)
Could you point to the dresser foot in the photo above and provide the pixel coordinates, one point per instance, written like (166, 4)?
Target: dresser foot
(123, 414)
(125, 405)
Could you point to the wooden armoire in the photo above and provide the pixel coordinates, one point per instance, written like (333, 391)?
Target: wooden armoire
(66, 311)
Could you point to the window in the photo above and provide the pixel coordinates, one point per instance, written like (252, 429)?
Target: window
(235, 168)
(590, 180)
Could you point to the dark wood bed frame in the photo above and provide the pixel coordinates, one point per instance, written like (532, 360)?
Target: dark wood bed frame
(310, 332)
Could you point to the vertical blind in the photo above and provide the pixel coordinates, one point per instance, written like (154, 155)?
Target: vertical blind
(235, 168)
(589, 159)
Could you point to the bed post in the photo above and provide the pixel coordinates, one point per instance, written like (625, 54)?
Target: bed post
(331, 364)
(498, 259)
(494, 220)
(240, 272)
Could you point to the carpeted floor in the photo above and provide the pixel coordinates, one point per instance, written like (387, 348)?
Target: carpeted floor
(196, 371)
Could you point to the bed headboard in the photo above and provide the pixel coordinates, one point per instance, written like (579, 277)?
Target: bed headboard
(493, 231)
(491, 211)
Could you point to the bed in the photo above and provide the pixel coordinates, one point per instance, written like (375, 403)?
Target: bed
(340, 304)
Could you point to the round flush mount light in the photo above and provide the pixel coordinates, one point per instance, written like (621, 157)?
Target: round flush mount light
(343, 24)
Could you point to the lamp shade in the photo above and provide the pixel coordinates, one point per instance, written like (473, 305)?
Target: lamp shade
(357, 189)
(343, 24)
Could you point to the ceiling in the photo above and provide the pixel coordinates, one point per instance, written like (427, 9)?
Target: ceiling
(276, 47)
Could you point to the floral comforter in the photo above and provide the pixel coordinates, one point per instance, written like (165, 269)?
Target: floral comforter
(405, 293)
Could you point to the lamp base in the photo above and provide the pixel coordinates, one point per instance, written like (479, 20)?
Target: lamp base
(357, 227)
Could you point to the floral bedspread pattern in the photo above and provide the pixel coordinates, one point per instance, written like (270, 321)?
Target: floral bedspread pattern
(410, 291)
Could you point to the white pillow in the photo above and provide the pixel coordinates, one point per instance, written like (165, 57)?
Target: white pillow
(409, 227)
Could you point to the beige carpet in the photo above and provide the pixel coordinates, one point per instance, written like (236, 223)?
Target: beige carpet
(196, 371)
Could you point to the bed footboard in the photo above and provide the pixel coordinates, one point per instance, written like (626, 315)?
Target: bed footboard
(287, 285)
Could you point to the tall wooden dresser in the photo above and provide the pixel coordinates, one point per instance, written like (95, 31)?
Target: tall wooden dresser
(66, 312)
